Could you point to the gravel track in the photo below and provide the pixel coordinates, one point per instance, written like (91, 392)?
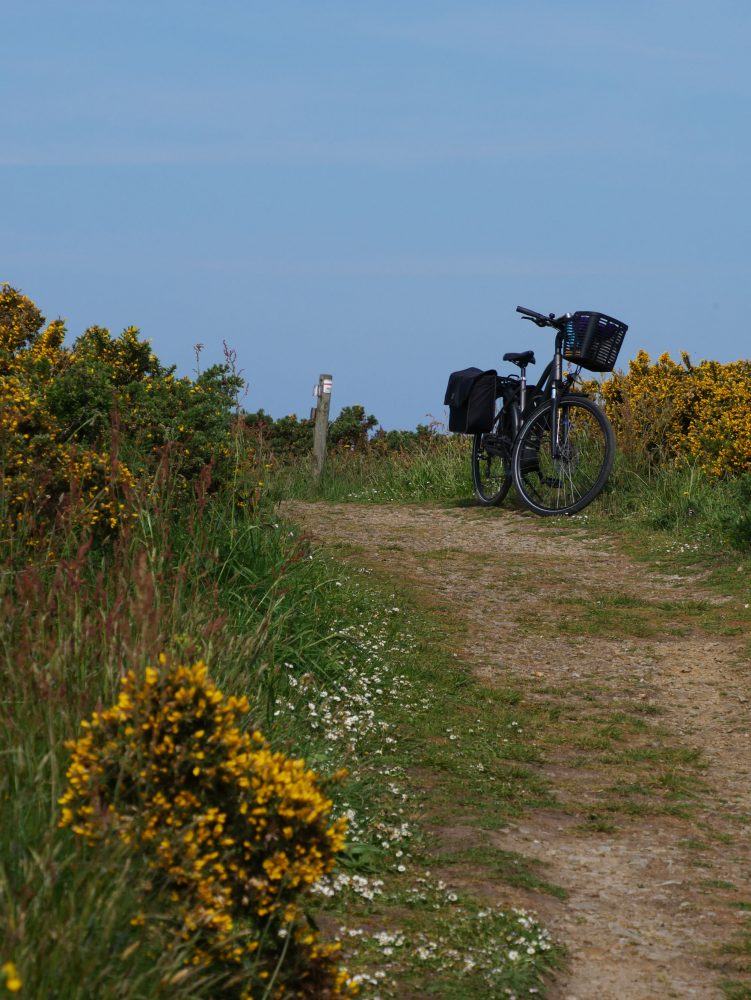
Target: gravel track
(641, 920)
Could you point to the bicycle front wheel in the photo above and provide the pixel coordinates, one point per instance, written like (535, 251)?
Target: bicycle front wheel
(560, 469)
(491, 471)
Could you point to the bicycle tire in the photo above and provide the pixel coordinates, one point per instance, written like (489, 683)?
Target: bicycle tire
(565, 484)
(491, 474)
(491, 461)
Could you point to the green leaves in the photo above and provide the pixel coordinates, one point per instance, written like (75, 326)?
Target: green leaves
(83, 423)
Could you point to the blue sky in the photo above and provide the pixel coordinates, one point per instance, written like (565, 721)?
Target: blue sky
(369, 189)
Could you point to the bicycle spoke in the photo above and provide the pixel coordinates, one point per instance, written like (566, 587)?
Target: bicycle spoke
(561, 469)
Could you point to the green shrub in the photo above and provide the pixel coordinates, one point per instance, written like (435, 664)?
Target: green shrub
(81, 428)
(234, 834)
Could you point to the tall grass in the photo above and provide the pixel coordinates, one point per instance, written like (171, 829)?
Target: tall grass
(435, 469)
(206, 581)
(319, 654)
(106, 566)
(680, 498)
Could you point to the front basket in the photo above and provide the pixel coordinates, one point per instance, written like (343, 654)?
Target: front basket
(593, 341)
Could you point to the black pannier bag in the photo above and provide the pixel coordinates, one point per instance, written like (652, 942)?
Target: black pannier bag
(470, 397)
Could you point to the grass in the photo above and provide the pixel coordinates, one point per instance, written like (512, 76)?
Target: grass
(678, 522)
(736, 990)
(229, 590)
(437, 762)
(449, 946)
(340, 666)
(737, 954)
(510, 867)
(437, 470)
(617, 615)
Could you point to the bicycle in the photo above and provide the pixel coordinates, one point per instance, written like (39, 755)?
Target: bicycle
(555, 445)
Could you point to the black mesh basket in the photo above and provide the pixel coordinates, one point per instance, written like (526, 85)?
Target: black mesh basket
(593, 341)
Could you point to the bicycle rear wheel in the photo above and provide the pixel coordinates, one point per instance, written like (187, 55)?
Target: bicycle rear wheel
(559, 470)
(491, 469)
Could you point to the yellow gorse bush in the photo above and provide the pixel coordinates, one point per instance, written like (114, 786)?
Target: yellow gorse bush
(67, 414)
(665, 411)
(234, 832)
(41, 461)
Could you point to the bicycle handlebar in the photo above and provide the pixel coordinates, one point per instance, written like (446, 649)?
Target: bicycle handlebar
(540, 320)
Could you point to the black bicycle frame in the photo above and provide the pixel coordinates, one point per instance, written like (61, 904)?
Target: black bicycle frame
(555, 386)
(549, 385)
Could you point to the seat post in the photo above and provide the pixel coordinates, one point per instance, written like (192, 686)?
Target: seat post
(522, 387)
(521, 359)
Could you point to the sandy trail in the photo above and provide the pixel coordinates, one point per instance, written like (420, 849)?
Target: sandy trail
(641, 920)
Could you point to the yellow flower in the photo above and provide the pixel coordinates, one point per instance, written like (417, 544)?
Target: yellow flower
(237, 837)
(670, 413)
(13, 982)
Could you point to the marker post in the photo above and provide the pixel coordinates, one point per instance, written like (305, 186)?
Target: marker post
(322, 392)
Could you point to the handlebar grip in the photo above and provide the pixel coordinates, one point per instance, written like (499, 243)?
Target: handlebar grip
(532, 314)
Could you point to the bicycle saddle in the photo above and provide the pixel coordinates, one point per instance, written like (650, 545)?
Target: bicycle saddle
(520, 359)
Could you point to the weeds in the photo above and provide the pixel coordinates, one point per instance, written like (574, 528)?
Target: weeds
(196, 566)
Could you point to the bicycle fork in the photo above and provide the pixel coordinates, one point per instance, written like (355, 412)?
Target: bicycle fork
(555, 414)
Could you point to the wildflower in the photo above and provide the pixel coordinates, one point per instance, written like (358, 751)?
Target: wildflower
(13, 981)
(237, 831)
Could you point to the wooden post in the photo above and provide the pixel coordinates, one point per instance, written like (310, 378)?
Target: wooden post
(320, 432)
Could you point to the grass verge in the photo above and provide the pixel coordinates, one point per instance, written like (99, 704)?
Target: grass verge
(339, 670)
(421, 762)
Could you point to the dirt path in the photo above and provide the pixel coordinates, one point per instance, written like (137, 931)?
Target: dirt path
(650, 903)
